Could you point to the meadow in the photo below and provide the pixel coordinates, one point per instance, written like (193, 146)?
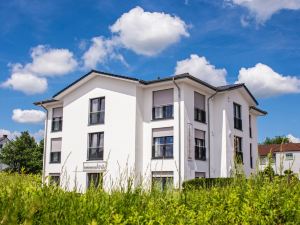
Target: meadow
(258, 200)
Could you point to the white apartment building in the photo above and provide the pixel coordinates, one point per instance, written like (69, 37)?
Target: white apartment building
(104, 128)
(283, 157)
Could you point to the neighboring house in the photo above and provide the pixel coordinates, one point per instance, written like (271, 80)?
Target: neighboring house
(3, 141)
(283, 157)
(106, 127)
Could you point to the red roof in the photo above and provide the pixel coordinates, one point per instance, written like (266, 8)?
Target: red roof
(289, 147)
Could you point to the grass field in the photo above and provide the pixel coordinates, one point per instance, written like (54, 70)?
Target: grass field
(23, 200)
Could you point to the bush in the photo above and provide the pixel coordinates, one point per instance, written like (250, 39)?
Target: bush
(23, 200)
(207, 183)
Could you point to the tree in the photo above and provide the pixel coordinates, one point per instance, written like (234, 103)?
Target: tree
(23, 153)
(276, 140)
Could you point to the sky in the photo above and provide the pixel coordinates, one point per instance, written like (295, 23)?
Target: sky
(46, 45)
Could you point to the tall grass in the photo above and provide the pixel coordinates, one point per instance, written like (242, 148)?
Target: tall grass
(23, 200)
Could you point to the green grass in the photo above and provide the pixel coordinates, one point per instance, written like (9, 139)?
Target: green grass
(254, 201)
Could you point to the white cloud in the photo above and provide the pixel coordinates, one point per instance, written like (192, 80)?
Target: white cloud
(28, 116)
(26, 82)
(293, 139)
(13, 134)
(46, 62)
(51, 62)
(202, 69)
(148, 33)
(97, 52)
(265, 82)
(262, 10)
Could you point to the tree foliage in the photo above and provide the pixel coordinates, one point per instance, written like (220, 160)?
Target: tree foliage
(276, 140)
(23, 154)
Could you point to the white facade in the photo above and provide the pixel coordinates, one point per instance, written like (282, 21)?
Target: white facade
(129, 130)
(282, 161)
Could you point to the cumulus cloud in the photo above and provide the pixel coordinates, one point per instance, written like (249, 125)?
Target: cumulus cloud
(262, 10)
(46, 62)
(28, 116)
(148, 33)
(293, 139)
(263, 81)
(26, 82)
(201, 68)
(38, 135)
(51, 62)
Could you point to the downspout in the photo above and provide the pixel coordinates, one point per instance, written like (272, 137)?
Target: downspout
(179, 130)
(45, 145)
(208, 128)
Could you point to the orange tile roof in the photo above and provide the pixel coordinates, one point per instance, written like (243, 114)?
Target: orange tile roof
(289, 147)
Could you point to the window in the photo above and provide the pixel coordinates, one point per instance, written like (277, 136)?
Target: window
(94, 180)
(263, 160)
(162, 143)
(96, 145)
(199, 102)
(57, 118)
(251, 157)
(238, 149)
(289, 156)
(55, 152)
(199, 174)
(1, 146)
(273, 159)
(162, 180)
(97, 109)
(54, 178)
(200, 150)
(162, 104)
(237, 116)
(250, 126)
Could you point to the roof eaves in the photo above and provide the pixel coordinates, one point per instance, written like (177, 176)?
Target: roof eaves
(45, 102)
(259, 110)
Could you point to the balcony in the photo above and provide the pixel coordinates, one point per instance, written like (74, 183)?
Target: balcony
(238, 123)
(162, 112)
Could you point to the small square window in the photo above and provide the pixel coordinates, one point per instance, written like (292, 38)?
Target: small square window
(289, 156)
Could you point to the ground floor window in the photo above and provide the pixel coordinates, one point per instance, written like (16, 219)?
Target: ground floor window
(94, 180)
(54, 178)
(199, 174)
(162, 180)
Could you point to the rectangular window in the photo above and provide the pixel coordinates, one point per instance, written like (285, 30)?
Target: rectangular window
(263, 160)
(55, 153)
(94, 180)
(251, 157)
(273, 159)
(57, 119)
(162, 143)
(199, 174)
(238, 149)
(199, 103)
(97, 111)
(250, 126)
(96, 146)
(289, 156)
(162, 180)
(237, 116)
(200, 149)
(163, 104)
(54, 178)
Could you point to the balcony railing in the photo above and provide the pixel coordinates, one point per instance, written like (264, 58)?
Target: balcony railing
(200, 153)
(95, 153)
(200, 115)
(238, 123)
(162, 112)
(55, 157)
(162, 151)
(57, 124)
(96, 118)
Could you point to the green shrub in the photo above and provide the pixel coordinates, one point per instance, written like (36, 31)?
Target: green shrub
(207, 183)
(257, 200)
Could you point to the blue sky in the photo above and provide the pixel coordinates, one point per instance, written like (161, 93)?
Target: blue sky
(218, 41)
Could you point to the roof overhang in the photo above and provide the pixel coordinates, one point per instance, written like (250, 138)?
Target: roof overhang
(257, 111)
